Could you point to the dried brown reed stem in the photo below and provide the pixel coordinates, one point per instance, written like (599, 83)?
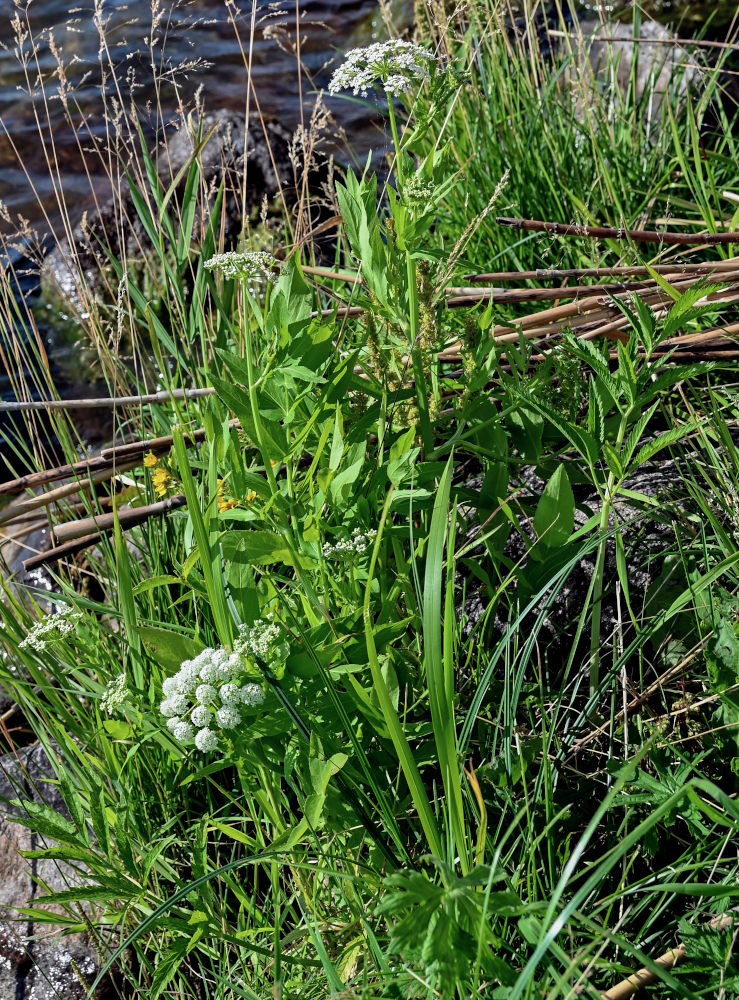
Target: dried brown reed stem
(108, 457)
(627, 987)
(62, 492)
(128, 517)
(94, 403)
(60, 552)
(624, 271)
(608, 232)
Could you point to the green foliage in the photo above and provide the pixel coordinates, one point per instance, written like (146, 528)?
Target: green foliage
(424, 796)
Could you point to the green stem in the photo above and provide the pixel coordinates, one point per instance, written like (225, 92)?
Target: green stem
(396, 142)
(417, 355)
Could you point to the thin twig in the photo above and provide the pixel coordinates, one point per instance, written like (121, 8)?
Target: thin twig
(96, 403)
(608, 232)
(629, 270)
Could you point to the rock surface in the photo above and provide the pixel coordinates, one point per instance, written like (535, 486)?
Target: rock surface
(661, 63)
(36, 961)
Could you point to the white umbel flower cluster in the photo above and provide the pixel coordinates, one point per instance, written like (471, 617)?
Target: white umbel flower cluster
(51, 627)
(243, 265)
(257, 640)
(114, 695)
(205, 695)
(394, 65)
(357, 543)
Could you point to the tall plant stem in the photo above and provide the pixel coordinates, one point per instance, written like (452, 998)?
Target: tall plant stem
(412, 281)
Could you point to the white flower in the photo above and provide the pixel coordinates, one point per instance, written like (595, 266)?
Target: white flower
(206, 694)
(183, 731)
(243, 265)
(395, 65)
(206, 740)
(418, 194)
(206, 691)
(251, 695)
(229, 693)
(169, 709)
(114, 695)
(57, 624)
(169, 686)
(188, 677)
(228, 717)
(256, 640)
(201, 716)
(358, 543)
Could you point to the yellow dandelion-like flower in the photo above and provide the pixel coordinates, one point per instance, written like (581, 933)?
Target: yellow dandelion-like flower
(161, 481)
(150, 460)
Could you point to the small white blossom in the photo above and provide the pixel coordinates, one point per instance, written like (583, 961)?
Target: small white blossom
(243, 265)
(395, 65)
(169, 686)
(356, 544)
(206, 694)
(418, 194)
(229, 693)
(168, 708)
(228, 717)
(173, 723)
(251, 695)
(183, 731)
(256, 640)
(53, 626)
(114, 695)
(201, 716)
(206, 740)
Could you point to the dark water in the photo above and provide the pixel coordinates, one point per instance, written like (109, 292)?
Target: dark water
(104, 45)
(105, 51)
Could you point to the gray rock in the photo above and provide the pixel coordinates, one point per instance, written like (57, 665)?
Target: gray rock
(37, 962)
(661, 63)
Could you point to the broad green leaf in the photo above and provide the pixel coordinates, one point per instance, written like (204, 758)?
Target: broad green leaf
(555, 513)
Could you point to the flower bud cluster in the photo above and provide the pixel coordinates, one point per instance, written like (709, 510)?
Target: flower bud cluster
(394, 64)
(243, 265)
(358, 542)
(51, 627)
(205, 695)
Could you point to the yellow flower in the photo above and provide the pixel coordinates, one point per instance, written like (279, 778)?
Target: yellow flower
(150, 460)
(161, 481)
(224, 502)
